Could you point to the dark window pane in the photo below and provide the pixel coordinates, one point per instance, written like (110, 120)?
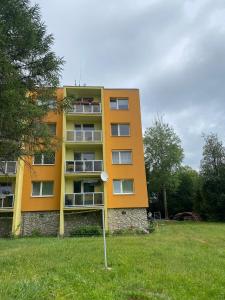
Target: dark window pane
(6, 188)
(125, 157)
(77, 126)
(47, 188)
(127, 186)
(88, 156)
(124, 129)
(37, 159)
(88, 127)
(36, 189)
(77, 156)
(114, 129)
(113, 104)
(52, 128)
(115, 157)
(88, 187)
(77, 187)
(117, 187)
(123, 104)
(49, 158)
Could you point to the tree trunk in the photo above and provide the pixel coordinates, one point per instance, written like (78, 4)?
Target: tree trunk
(165, 203)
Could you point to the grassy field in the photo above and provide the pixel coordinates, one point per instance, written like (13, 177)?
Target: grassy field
(178, 261)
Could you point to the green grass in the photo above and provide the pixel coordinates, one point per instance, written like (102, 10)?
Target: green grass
(178, 261)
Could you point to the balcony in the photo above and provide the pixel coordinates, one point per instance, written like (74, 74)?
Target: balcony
(94, 108)
(8, 167)
(84, 199)
(84, 136)
(82, 166)
(6, 201)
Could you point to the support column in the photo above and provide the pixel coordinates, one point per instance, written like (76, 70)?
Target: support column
(104, 160)
(16, 225)
(62, 195)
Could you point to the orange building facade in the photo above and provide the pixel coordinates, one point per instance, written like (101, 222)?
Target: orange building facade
(54, 193)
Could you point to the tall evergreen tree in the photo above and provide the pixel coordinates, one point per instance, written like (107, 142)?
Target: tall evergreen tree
(29, 70)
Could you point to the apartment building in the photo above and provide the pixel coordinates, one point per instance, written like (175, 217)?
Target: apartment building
(56, 192)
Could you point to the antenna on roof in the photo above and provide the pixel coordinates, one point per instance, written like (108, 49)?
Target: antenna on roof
(80, 76)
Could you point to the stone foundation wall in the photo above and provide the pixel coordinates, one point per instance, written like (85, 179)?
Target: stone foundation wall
(78, 219)
(47, 223)
(5, 225)
(44, 223)
(122, 218)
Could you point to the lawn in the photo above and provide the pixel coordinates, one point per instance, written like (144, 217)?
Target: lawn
(177, 261)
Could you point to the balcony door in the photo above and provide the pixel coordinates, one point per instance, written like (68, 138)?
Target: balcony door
(86, 127)
(83, 187)
(88, 187)
(6, 188)
(84, 156)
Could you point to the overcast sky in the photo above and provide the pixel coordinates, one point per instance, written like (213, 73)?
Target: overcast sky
(172, 50)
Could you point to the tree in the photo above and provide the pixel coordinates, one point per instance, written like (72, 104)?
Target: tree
(183, 198)
(29, 70)
(163, 156)
(212, 173)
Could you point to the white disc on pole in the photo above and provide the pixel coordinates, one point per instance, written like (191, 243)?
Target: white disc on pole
(104, 176)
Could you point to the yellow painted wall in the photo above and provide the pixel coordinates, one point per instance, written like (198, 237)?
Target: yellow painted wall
(44, 173)
(136, 171)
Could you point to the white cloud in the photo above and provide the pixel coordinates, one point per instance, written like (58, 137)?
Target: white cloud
(172, 50)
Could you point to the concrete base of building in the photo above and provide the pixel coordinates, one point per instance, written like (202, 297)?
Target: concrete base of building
(125, 218)
(40, 223)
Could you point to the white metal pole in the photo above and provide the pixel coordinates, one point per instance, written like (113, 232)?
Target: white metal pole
(104, 239)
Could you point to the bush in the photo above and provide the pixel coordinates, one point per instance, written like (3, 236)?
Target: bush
(36, 233)
(129, 231)
(89, 230)
(151, 226)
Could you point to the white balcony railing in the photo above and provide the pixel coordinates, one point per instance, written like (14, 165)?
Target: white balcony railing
(85, 109)
(6, 200)
(78, 166)
(8, 167)
(84, 136)
(84, 199)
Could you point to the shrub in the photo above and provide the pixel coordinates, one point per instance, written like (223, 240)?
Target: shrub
(89, 230)
(151, 226)
(130, 231)
(35, 233)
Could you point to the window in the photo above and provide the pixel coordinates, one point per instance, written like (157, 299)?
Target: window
(50, 103)
(121, 157)
(119, 103)
(52, 128)
(124, 186)
(88, 127)
(84, 156)
(120, 129)
(42, 188)
(44, 158)
(6, 188)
